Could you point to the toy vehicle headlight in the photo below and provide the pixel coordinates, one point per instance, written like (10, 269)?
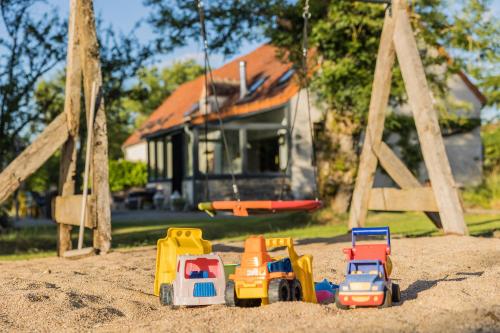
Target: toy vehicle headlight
(375, 288)
(345, 288)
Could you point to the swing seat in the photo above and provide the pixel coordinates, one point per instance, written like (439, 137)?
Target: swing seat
(241, 208)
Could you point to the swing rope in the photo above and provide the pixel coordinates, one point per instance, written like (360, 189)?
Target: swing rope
(306, 15)
(209, 74)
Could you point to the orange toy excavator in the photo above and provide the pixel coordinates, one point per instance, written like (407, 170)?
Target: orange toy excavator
(261, 279)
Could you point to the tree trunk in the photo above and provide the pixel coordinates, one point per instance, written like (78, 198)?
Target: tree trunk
(338, 159)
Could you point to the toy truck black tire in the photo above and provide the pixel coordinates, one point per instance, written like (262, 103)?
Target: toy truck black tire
(230, 294)
(338, 303)
(166, 294)
(296, 290)
(279, 291)
(396, 293)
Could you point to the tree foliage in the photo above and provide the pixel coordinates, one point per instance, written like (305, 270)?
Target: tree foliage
(345, 36)
(154, 85)
(30, 48)
(468, 30)
(229, 23)
(122, 56)
(124, 174)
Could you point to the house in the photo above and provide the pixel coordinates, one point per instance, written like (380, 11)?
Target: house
(257, 93)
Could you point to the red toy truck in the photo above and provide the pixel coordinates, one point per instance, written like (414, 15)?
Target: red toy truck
(369, 268)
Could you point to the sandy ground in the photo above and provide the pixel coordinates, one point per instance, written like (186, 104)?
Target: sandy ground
(449, 284)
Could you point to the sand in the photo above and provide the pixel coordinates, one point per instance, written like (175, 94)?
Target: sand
(449, 284)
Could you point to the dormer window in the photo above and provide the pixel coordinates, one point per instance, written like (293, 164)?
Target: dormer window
(195, 107)
(286, 76)
(257, 84)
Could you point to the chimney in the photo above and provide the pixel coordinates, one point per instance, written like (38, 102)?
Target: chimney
(243, 79)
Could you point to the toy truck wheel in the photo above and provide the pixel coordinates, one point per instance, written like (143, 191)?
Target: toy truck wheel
(387, 299)
(279, 291)
(166, 294)
(296, 290)
(230, 294)
(396, 293)
(338, 303)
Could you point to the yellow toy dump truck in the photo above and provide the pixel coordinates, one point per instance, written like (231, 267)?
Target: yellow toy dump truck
(261, 279)
(187, 273)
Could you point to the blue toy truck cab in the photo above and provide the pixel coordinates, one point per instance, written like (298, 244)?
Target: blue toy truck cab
(366, 284)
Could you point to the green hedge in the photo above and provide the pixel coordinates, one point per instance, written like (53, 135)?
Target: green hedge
(124, 174)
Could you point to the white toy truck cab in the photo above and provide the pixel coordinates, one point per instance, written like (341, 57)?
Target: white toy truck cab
(199, 280)
(187, 272)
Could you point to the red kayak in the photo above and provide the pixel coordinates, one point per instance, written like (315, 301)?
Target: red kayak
(241, 208)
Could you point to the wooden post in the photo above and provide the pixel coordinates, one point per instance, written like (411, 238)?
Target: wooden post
(92, 73)
(82, 58)
(426, 121)
(73, 90)
(376, 118)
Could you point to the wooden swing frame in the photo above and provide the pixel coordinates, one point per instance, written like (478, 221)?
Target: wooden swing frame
(440, 201)
(83, 67)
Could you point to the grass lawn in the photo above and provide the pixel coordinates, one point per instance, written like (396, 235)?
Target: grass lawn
(36, 242)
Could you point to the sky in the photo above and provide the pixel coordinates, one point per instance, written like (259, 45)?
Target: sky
(124, 14)
(124, 17)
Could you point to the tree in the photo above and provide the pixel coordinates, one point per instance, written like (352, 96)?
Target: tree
(154, 85)
(345, 36)
(125, 174)
(29, 49)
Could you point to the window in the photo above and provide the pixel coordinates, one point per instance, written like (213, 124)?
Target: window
(286, 76)
(266, 150)
(195, 107)
(169, 154)
(212, 156)
(257, 84)
(160, 159)
(188, 156)
(151, 160)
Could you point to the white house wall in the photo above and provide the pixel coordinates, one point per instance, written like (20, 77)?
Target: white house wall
(136, 153)
(302, 175)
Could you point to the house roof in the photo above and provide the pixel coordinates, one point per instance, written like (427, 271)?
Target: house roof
(261, 63)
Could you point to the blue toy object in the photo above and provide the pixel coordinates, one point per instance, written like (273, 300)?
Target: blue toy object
(373, 231)
(325, 285)
(325, 291)
(204, 289)
(198, 275)
(283, 265)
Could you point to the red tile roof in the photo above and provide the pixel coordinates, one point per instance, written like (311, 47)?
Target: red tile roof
(262, 62)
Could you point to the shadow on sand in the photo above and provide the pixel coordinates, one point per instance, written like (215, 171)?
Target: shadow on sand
(419, 286)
